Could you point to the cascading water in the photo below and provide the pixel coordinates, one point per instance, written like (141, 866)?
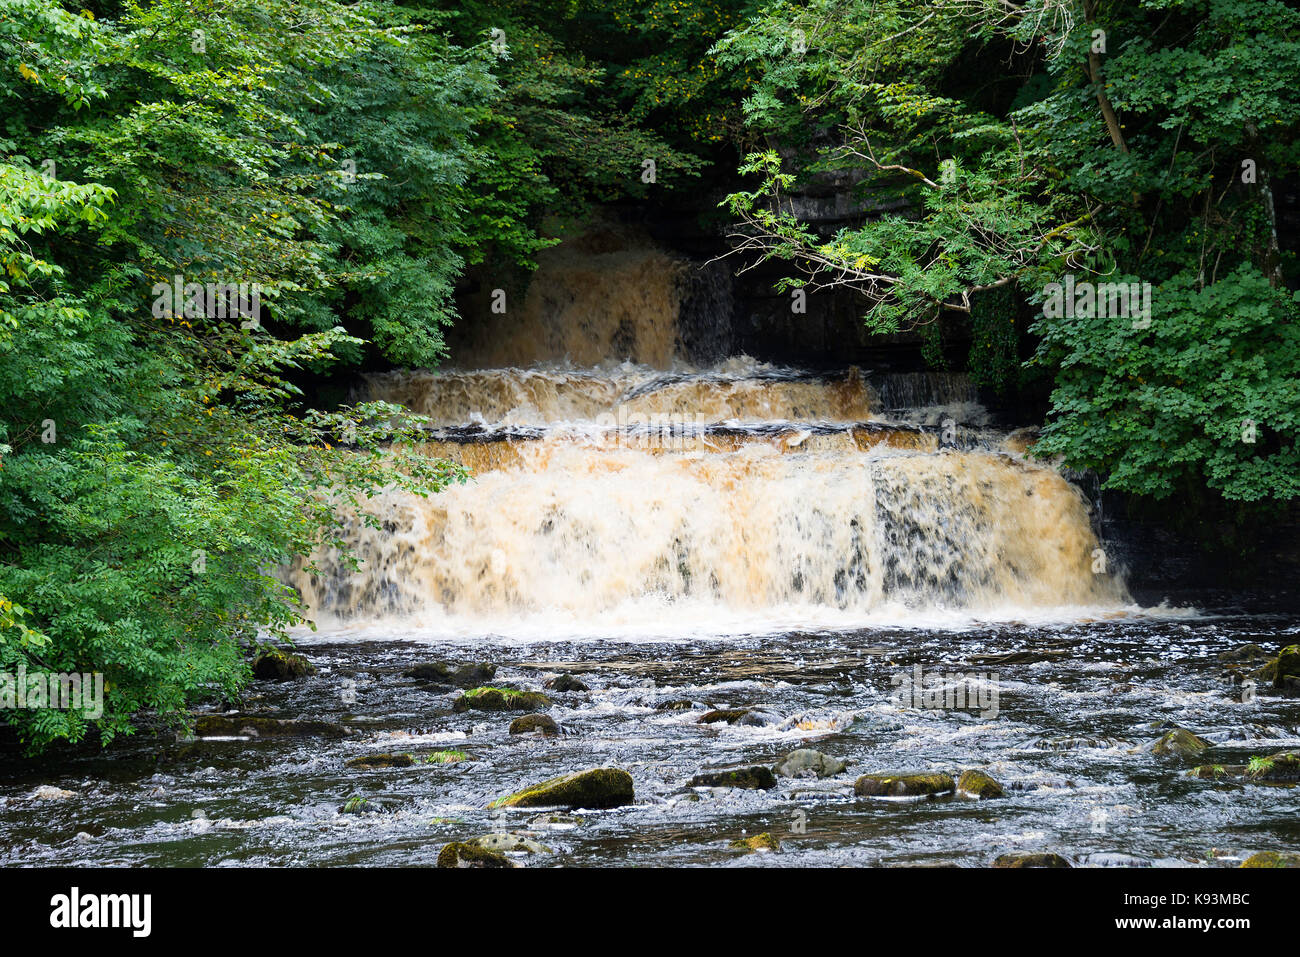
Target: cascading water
(608, 492)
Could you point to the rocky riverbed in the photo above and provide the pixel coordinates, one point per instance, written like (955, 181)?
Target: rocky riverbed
(1130, 741)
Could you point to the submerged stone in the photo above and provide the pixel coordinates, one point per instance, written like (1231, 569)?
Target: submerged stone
(729, 715)
(566, 683)
(501, 699)
(530, 723)
(471, 676)
(277, 665)
(1180, 743)
(756, 778)
(1020, 859)
(902, 785)
(597, 788)
(977, 784)
(432, 671)
(237, 726)
(677, 704)
(807, 763)
(370, 761)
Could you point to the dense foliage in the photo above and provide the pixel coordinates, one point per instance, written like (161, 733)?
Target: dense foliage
(1123, 142)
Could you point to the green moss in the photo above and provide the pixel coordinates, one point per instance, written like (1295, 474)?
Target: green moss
(1272, 859)
(759, 842)
(596, 788)
(488, 698)
(446, 757)
(978, 784)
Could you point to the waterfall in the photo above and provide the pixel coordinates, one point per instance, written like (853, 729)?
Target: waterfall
(614, 483)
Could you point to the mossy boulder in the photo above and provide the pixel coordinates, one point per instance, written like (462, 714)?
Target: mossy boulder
(1287, 667)
(1217, 772)
(1246, 654)
(1180, 743)
(903, 785)
(370, 761)
(501, 699)
(566, 684)
(764, 842)
(277, 665)
(534, 723)
(465, 854)
(756, 778)
(1280, 768)
(597, 788)
(1030, 860)
(1272, 859)
(240, 726)
(807, 763)
(977, 784)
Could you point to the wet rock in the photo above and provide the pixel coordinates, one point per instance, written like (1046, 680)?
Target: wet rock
(756, 778)
(236, 726)
(677, 704)
(729, 715)
(368, 762)
(1215, 772)
(597, 788)
(434, 672)
(277, 665)
(1074, 743)
(1021, 859)
(867, 722)
(764, 842)
(48, 792)
(501, 699)
(474, 675)
(815, 721)
(1287, 667)
(902, 785)
(1111, 859)
(464, 854)
(1280, 768)
(530, 723)
(1246, 654)
(807, 763)
(757, 718)
(566, 683)
(370, 805)
(1272, 859)
(559, 821)
(1180, 743)
(509, 843)
(977, 784)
